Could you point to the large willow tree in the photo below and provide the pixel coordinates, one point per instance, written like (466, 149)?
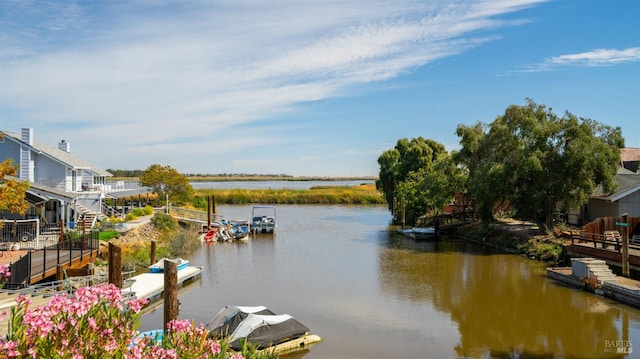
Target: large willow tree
(533, 159)
(420, 171)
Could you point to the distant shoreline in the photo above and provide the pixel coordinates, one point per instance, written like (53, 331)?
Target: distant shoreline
(223, 178)
(276, 178)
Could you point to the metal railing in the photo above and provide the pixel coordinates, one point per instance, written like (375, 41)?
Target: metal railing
(75, 246)
(193, 215)
(69, 285)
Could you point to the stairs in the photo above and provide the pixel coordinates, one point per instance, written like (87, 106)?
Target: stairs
(596, 268)
(85, 219)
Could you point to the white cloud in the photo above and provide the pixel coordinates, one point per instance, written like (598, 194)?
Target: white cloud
(598, 57)
(162, 79)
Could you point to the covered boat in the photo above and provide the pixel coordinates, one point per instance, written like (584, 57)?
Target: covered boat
(266, 330)
(229, 317)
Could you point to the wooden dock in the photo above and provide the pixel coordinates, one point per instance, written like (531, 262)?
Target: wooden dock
(621, 289)
(151, 285)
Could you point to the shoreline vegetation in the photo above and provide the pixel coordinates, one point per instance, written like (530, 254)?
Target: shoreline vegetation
(359, 194)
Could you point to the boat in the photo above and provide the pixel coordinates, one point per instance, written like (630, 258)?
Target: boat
(260, 327)
(239, 229)
(420, 233)
(263, 219)
(228, 230)
(229, 317)
(158, 267)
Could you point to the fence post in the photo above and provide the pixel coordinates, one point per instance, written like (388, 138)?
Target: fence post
(402, 201)
(170, 291)
(625, 246)
(115, 265)
(153, 252)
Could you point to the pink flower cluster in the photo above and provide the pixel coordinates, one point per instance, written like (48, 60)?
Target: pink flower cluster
(94, 323)
(5, 272)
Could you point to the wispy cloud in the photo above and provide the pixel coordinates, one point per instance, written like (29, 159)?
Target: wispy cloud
(599, 57)
(157, 75)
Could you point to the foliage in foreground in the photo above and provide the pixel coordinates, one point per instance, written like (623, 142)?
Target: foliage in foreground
(95, 323)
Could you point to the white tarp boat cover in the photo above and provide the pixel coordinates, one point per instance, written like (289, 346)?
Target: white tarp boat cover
(228, 318)
(266, 330)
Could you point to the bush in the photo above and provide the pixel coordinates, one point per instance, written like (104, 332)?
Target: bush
(96, 323)
(163, 221)
(183, 241)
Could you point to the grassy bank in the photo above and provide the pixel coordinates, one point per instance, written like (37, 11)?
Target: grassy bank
(362, 194)
(516, 237)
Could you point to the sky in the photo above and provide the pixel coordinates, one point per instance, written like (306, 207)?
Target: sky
(303, 88)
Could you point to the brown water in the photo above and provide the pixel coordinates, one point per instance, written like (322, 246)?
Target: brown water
(371, 293)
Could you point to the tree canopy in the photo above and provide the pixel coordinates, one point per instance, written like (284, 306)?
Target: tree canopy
(166, 180)
(12, 192)
(420, 171)
(533, 159)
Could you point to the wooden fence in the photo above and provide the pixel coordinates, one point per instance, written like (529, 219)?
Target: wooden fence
(603, 224)
(607, 231)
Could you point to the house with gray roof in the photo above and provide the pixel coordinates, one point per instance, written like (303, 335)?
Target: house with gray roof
(624, 199)
(63, 186)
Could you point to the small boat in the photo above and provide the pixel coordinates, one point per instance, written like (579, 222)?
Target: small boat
(211, 235)
(158, 267)
(229, 317)
(420, 233)
(270, 331)
(263, 219)
(239, 229)
(262, 328)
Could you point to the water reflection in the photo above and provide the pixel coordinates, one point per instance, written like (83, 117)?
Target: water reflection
(371, 293)
(503, 304)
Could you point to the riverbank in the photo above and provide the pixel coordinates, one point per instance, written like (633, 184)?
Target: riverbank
(517, 237)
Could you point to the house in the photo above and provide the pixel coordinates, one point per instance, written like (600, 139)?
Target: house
(630, 159)
(63, 186)
(624, 199)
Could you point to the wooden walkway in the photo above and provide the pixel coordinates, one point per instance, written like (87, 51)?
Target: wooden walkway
(36, 265)
(151, 285)
(607, 246)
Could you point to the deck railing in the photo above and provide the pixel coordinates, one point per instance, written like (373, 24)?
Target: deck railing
(76, 245)
(607, 240)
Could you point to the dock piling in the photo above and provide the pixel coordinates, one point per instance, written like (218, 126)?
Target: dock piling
(171, 307)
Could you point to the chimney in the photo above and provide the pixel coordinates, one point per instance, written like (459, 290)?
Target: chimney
(65, 146)
(27, 136)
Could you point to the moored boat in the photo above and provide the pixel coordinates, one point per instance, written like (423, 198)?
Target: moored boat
(158, 267)
(263, 219)
(239, 229)
(260, 327)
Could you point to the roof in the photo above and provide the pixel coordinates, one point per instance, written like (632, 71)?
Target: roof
(629, 154)
(51, 192)
(627, 183)
(59, 155)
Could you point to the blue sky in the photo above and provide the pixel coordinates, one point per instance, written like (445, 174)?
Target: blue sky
(306, 88)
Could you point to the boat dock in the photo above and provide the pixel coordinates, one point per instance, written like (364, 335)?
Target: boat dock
(595, 275)
(151, 285)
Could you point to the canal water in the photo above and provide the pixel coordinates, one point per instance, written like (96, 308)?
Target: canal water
(372, 293)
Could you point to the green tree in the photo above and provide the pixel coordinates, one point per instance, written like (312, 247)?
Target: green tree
(166, 180)
(12, 192)
(534, 160)
(420, 171)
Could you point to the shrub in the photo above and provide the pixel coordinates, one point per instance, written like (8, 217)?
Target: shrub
(96, 323)
(163, 221)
